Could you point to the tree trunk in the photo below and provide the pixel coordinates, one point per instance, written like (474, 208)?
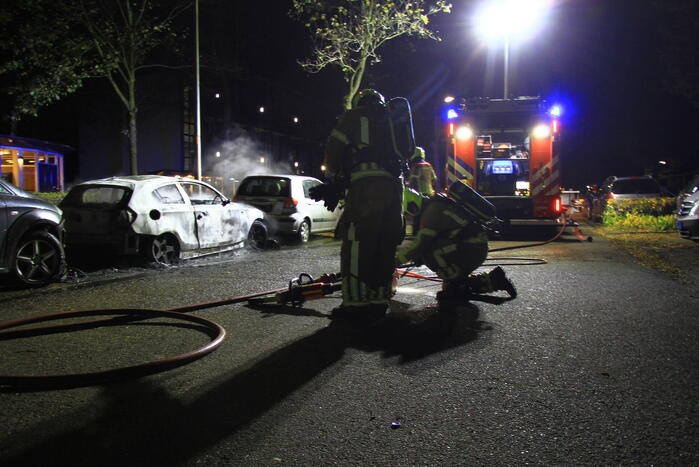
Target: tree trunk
(133, 140)
(132, 108)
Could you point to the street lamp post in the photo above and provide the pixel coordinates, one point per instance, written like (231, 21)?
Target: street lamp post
(198, 88)
(506, 80)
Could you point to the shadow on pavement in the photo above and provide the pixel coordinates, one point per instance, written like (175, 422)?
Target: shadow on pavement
(142, 424)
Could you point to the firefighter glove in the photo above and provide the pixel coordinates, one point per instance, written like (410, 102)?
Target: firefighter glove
(327, 192)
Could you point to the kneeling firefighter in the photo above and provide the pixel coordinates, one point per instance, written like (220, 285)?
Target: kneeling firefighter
(452, 241)
(365, 162)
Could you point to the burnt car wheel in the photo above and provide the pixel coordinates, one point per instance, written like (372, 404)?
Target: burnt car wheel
(39, 259)
(164, 250)
(257, 236)
(304, 231)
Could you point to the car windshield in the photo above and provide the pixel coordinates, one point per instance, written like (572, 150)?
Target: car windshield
(265, 186)
(635, 186)
(97, 196)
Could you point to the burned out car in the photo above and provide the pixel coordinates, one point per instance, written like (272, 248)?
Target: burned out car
(163, 218)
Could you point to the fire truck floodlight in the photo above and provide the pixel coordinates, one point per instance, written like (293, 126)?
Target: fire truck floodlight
(464, 132)
(542, 131)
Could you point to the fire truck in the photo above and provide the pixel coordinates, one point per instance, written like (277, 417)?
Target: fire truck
(508, 151)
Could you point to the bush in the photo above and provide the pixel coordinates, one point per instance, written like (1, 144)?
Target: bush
(52, 197)
(650, 206)
(641, 215)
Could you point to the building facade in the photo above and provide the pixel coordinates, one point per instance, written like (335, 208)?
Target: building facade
(33, 165)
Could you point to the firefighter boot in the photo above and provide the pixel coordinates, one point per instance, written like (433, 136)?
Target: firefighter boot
(499, 281)
(453, 295)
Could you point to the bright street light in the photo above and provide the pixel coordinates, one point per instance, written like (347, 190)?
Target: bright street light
(503, 21)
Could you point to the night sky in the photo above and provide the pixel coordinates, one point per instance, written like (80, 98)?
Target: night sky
(602, 59)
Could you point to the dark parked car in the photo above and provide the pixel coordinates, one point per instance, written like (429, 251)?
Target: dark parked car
(31, 234)
(688, 190)
(688, 210)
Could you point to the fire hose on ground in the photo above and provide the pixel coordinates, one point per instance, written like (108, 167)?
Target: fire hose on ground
(299, 290)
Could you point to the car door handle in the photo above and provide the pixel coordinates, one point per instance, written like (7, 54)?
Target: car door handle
(202, 214)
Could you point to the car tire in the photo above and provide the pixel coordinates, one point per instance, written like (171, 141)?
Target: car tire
(39, 259)
(304, 231)
(257, 236)
(164, 250)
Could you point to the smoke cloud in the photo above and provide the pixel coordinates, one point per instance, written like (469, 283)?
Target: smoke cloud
(235, 159)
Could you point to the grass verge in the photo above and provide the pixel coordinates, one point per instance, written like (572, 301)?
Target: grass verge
(656, 250)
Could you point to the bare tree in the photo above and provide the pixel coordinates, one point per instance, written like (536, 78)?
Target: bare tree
(124, 33)
(348, 33)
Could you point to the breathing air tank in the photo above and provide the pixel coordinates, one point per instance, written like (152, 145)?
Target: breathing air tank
(474, 203)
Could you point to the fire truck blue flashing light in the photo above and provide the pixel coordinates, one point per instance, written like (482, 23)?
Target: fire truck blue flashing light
(556, 111)
(452, 114)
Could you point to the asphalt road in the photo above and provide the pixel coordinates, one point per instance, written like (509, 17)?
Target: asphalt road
(595, 363)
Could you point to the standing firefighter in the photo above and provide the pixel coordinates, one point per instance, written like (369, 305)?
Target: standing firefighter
(452, 242)
(361, 155)
(422, 176)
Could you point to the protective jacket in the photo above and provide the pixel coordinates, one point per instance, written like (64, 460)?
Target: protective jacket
(360, 156)
(361, 136)
(449, 241)
(422, 178)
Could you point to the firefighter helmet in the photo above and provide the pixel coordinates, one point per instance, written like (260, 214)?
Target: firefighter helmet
(419, 154)
(412, 201)
(367, 97)
(470, 200)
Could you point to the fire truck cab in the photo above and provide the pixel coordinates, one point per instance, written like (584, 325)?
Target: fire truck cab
(507, 150)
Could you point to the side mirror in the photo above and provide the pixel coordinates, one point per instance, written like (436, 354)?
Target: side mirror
(225, 201)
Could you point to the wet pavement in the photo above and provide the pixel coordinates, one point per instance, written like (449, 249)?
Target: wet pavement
(593, 364)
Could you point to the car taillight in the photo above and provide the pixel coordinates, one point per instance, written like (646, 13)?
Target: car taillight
(557, 206)
(290, 203)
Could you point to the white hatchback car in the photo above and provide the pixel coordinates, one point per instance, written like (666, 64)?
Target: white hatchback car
(286, 201)
(164, 218)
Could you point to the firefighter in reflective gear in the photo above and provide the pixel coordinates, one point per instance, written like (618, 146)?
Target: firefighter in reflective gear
(360, 155)
(422, 176)
(453, 243)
